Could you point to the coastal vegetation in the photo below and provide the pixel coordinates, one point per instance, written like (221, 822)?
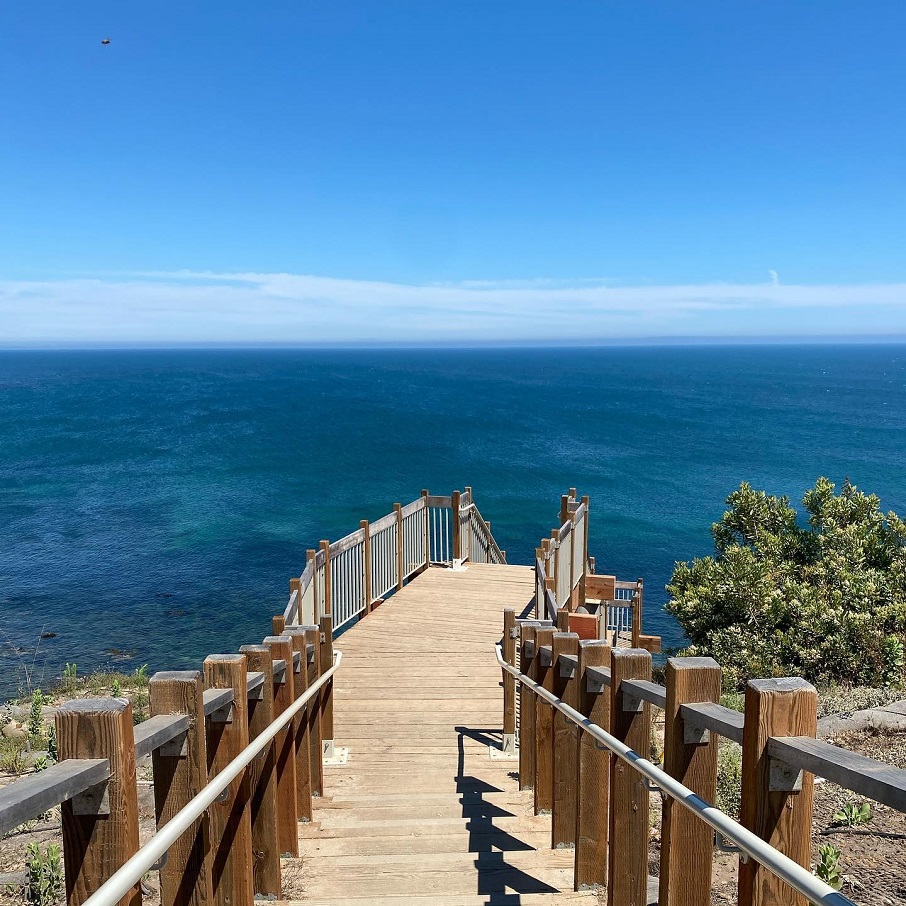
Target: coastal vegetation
(825, 600)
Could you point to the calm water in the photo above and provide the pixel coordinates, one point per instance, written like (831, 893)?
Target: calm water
(154, 504)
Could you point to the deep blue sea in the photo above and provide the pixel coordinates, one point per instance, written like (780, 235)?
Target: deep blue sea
(153, 504)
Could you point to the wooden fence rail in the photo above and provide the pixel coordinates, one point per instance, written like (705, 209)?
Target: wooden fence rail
(599, 801)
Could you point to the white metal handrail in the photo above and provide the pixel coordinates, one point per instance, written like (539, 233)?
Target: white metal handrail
(132, 871)
(799, 878)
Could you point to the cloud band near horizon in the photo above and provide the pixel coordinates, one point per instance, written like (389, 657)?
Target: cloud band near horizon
(204, 307)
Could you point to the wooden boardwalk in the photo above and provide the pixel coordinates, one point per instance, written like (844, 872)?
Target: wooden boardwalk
(421, 813)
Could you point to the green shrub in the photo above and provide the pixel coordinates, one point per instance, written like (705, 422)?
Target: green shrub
(852, 814)
(729, 777)
(13, 758)
(826, 601)
(115, 689)
(828, 867)
(44, 881)
(36, 720)
(70, 677)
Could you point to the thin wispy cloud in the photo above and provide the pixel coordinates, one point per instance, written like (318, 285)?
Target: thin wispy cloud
(194, 306)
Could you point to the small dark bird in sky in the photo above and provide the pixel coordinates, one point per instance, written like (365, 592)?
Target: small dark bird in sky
(105, 41)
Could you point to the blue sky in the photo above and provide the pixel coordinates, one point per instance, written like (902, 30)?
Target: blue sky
(424, 170)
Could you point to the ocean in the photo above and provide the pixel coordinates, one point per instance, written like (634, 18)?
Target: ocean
(153, 504)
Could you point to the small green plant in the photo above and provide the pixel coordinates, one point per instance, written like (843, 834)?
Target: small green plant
(41, 763)
(852, 814)
(115, 689)
(44, 880)
(828, 867)
(70, 676)
(13, 759)
(52, 752)
(140, 676)
(35, 720)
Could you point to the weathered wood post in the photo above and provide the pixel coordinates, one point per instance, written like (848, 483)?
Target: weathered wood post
(227, 735)
(509, 682)
(425, 496)
(301, 732)
(456, 527)
(325, 702)
(100, 826)
(690, 755)
(263, 779)
(544, 724)
(563, 619)
(776, 802)
(467, 540)
(311, 556)
(585, 500)
(527, 708)
(314, 712)
(593, 809)
(295, 586)
(328, 582)
(637, 613)
(366, 566)
(630, 720)
(281, 648)
(566, 741)
(278, 624)
(180, 772)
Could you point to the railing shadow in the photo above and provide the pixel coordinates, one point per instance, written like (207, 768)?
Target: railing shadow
(502, 883)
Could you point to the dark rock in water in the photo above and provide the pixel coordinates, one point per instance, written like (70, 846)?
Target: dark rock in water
(164, 594)
(48, 635)
(174, 613)
(119, 655)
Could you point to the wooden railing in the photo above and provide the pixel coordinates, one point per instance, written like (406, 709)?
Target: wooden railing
(350, 577)
(591, 771)
(275, 697)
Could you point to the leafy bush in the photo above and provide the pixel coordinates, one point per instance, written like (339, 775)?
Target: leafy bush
(44, 881)
(852, 814)
(828, 867)
(729, 777)
(36, 720)
(826, 601)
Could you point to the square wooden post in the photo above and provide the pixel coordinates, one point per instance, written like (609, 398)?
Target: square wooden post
(456, 526)
(544, 724)
(301, 732)
(776, 804)
(509, 681)
(100, 826)
(281, 648)
(366, 566)
(263, 779)
(690, 755)
(427, 529)
(180, 772)
(325, 662)
(593, 810)
(630, 720)
(566, 741)
(328, 582)
(398, 512)
(316, 714)
(527, 708)
(231, 827)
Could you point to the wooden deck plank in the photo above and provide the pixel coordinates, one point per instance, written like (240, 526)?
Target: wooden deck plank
(420, 811)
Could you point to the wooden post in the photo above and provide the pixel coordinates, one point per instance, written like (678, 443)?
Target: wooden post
(427, 529)
(691, 757)
(281, 648)
(593, 810)
(398, 512)
(563, 619)
(231, 827)
(637, 615)
(776, 803)
(456, 528)
(585, 500)
(630, 721)
(295, 585)
(100, 826)
(566, 742)
(328, 584)
(278, 624)
(564, 508)
(263, 780)
(467, 541)
(305, 769)
(553, 575)
(366, 566)
(180, 772)
(312, 557)
(326, 697)
(509, 682)
(527, 709)
(314, 713)
(544, 727)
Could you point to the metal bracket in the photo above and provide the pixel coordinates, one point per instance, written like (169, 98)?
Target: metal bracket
(731, 848)
(323, 638)
(222, 797)
(161, 862)
(332, 754)
(783, 777)
(652, 787)
(93, 801)
(514, 632)
(507, 752)
(695, 736)
(178, 747)
(223, 715)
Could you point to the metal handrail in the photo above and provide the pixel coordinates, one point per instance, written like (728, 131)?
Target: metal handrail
(792, 873)
(132, 871)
